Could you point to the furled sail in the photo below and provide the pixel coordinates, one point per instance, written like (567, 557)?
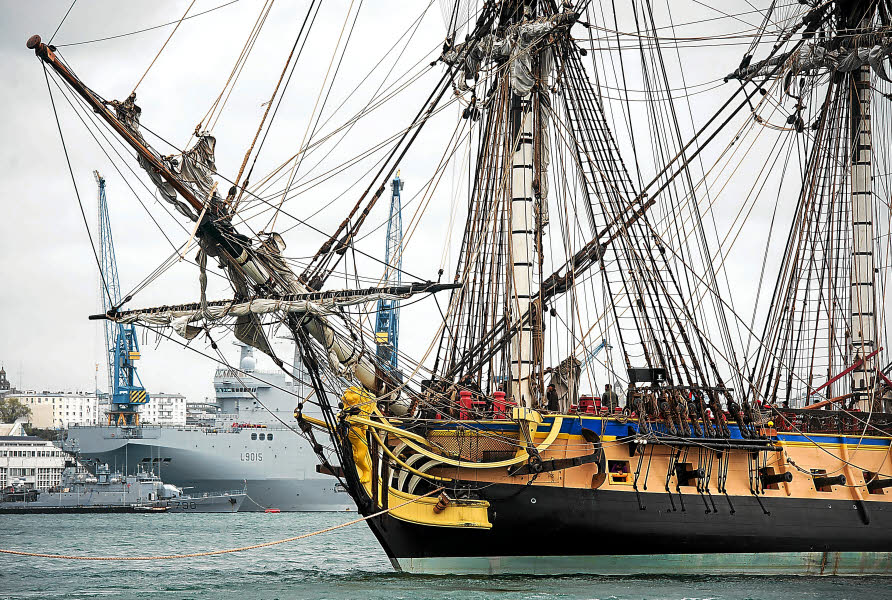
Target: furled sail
(513, 48)
(128, 113)
(823, 56)
(181, 318)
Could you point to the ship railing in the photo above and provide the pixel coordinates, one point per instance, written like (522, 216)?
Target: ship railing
(245, 375)
(832, 421)
(220, 427)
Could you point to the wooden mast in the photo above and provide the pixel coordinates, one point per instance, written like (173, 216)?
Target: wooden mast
(863, 298)
(863, 290)
(523, 248)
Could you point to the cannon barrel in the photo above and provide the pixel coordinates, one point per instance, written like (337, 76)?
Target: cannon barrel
(830, 481)
(771, 479)
(879, 484)
(684, 476)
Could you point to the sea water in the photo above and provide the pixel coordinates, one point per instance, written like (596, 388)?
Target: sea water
(345, 564)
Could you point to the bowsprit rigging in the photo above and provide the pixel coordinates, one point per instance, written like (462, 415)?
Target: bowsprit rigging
(564, 246)
(253, 268)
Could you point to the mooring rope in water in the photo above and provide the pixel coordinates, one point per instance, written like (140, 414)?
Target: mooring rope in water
(227, 550)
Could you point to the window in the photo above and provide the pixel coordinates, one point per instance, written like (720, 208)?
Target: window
(253, 436)
(269, 437)
(619, 472)
(262, 436)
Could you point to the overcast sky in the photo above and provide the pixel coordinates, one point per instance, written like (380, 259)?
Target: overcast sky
(48, 275)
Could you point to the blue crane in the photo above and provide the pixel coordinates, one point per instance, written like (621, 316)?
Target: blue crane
(387, 322)
(125, 388)
(591, 355)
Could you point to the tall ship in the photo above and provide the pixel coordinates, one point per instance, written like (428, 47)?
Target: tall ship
(733, 251)
(251, 443)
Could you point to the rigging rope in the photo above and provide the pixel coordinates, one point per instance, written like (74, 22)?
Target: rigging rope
(269, 204)
(269, 105)
(73, 2)
(138, 31)
(219, 103)
(76, 191)
(224, 551)
(163, 46)
(316, 107)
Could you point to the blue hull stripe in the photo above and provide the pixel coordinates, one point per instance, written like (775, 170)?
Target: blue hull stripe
(573, 425)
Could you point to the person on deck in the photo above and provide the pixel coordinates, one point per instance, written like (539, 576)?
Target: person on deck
(551, 396)
(609, 399)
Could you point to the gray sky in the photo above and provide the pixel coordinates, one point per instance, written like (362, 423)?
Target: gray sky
(48, 274)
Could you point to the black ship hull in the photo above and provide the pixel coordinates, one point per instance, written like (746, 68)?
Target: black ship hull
(542, 530)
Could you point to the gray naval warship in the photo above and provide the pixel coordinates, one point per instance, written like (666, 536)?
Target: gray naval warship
(247, 444)
(111, 491)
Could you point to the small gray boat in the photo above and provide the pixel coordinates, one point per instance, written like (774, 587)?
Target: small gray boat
(108, 492)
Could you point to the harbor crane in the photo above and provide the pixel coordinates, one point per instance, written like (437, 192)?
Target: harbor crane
(122, 348)
(587, 361)
(591, 355)
(388, 314)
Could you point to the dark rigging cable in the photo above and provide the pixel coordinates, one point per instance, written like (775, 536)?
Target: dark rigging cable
(73, 2)
(112, 37)
(76, 192)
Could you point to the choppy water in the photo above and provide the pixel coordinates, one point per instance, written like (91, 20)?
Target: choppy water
(345, 564)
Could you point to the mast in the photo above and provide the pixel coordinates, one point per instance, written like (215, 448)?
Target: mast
(863, 297)
(523, 247)
(527, 177)
(827, 280)
(494, 334)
